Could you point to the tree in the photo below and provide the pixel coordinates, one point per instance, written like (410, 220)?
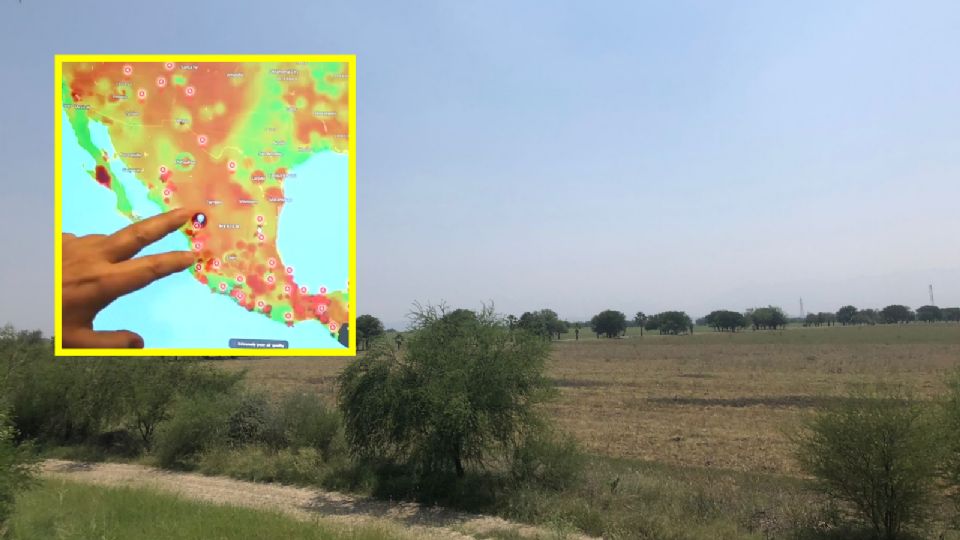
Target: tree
(929, 314)
(464, 389)
(559, 327)
(653, 323)
(951, 314)
(511, 321)
(674, 322)
(845, 315)
(368, 327)
(766, 318)
(877, 451)
(896, 313)
(866, 316)
(640, 319)
(609, 323)
(724, 320)
(544, 323)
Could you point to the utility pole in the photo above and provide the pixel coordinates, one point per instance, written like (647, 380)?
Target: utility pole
(931, 296)
(802, 314)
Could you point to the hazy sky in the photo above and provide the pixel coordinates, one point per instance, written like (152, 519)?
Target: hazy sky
(628, 155)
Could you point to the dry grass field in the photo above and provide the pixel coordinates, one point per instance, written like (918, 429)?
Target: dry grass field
(707, 400)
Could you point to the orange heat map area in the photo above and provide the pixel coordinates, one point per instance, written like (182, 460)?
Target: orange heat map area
(222, 138)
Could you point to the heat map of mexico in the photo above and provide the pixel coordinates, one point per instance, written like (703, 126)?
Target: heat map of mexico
(263, 148)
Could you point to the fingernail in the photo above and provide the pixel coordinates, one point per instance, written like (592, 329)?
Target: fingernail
(136, 342)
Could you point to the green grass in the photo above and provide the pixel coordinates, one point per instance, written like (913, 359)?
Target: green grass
(63, 510)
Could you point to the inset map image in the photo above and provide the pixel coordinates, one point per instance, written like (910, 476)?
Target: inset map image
(262, 147)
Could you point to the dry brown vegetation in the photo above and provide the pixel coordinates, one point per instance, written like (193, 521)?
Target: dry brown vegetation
(707, 400)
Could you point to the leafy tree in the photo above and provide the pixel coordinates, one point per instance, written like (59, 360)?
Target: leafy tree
(511, 321)
(465, 389)
(826, 318)
(896, 313)
(845, 315)
(610, 323)
(878, 452)
(544, 323)
(724, 320)
(368, 327)
(866, 316)
(653, 323)
(929, 314)
(560, 327)
(674, 322)
(640, 319)
(951, 314)
(766, 318)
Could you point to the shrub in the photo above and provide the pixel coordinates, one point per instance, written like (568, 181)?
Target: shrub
(16, 468)
(307, 422)
(248, 421)
(76, 400)
(195, 424)
(150, 386)
(877, 452)
(548, 460)
(464, 388)
(66, 400)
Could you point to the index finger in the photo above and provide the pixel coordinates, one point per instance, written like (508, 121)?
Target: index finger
(128, 241)
(136, 274)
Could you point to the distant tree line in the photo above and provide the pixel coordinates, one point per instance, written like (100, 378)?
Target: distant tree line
(892, 314)
(610, 323)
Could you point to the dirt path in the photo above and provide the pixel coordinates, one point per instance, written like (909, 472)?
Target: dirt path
(302, 503)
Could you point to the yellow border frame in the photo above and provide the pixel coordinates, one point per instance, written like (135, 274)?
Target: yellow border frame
(349, 59)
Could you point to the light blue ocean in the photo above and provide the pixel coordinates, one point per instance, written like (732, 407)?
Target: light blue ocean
(180, 312)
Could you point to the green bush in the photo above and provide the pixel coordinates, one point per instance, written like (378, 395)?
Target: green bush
(308, 422)
(16, 468)
(877, 452)
(66, 401)
(248, 421)
(547, 460)
(462, 391)
(150, 386)
(196, 423)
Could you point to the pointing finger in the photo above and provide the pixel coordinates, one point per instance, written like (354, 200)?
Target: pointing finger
(128, 241)
(137, 273)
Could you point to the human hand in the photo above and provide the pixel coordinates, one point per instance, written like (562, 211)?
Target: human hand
(97, 269)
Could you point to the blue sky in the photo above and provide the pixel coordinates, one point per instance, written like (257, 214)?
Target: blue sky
(628, 155)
